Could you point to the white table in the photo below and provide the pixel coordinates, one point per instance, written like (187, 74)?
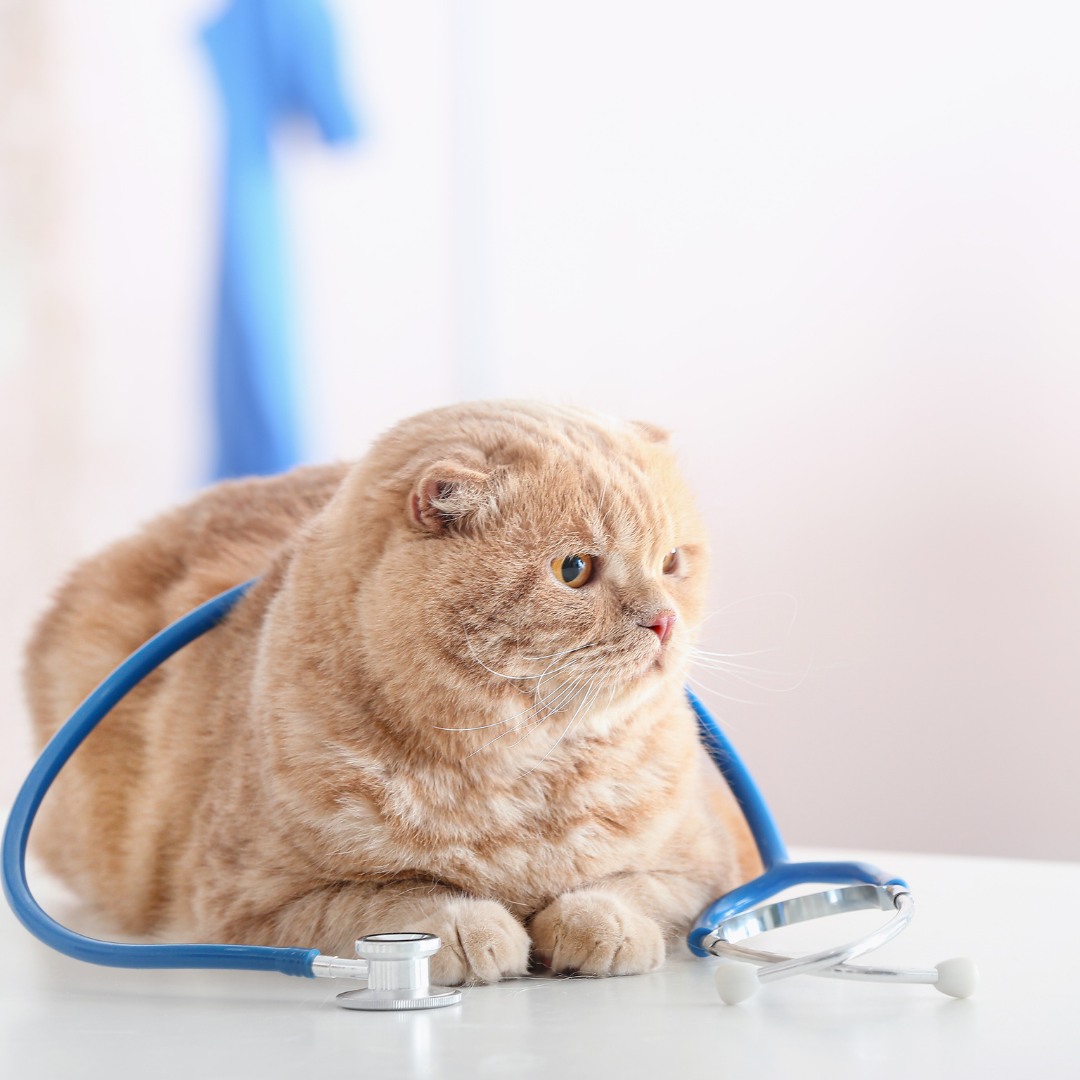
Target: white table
(61, 1018)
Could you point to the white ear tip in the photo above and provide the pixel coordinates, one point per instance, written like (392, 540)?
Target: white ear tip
(957, 977)
(736, 981)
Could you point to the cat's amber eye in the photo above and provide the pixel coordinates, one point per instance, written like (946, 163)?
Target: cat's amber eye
(572, 570)
(671, 561)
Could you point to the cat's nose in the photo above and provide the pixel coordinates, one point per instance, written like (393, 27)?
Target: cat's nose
(662, 622)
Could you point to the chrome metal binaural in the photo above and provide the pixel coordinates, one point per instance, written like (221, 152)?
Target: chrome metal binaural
(725, 940)
(799, 909)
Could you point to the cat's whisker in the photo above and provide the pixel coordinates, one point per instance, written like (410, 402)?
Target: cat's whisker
(735, 655)
(562, 695)
(549, 670)
(562, 652)
(487, 667)
(479, 727)
(759, 685)
(532, 729)
(773, 687)
(524, 677)
(794, 600)
(572, 688)
(588, 698)
(527, 731)
(744, 672)
(724, 660)
(565, 691)
(496, 723)
(718, 693)
(536, 706)
(502, 735)
(600, 503)
(586, 670)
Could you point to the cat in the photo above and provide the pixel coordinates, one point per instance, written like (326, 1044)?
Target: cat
(453, 702)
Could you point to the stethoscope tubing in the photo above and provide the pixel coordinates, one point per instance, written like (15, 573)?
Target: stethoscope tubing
(53, 758)
(780, 872)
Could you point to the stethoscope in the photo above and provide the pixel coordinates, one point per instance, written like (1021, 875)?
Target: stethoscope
(395, 965)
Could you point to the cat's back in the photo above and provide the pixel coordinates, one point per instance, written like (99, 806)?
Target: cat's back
(115, 600)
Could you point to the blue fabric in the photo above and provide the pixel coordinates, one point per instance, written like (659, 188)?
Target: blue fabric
(275, 60)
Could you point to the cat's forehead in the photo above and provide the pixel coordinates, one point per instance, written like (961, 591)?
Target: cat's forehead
(544, 470)
(618, 495)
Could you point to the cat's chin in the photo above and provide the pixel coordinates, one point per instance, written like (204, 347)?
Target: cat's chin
(662, 662)
(632, 695)
(653, 673)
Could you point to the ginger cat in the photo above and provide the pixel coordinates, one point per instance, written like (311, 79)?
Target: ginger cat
(452, 703)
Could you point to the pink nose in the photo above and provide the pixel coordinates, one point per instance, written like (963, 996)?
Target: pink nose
(663, 623)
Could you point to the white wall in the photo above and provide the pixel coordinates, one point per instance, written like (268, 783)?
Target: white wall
(834, 247)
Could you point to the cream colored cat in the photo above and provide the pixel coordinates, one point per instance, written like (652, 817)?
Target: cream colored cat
(453, 703)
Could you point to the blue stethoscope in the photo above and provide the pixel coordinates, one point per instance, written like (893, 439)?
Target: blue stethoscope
(395, 965)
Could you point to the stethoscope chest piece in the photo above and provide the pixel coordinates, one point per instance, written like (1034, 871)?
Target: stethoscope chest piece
(398, 974)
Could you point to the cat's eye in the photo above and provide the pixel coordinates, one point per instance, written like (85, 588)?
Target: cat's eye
(572, 570)
(671, 561)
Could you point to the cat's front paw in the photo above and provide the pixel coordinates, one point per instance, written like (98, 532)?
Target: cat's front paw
(481, 943)
(595, 933)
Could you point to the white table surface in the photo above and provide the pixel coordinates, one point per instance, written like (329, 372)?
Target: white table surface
(62, 1018)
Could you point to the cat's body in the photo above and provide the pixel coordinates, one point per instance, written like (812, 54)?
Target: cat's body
(413, 721)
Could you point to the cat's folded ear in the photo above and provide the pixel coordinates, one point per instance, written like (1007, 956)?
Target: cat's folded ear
(650, 432)
(452, 493)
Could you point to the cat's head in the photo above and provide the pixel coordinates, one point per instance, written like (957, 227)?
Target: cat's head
(527, 557)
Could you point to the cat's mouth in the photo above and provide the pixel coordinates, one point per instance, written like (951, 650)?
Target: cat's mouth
(646, 655)
(659, 661)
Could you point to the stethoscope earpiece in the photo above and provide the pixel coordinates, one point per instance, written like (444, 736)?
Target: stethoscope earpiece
(736, 981)
(958, 977)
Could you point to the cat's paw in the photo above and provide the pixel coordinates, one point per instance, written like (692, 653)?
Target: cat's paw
(595, 933)
(481, 943)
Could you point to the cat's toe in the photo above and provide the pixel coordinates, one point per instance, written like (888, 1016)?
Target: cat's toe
(482, 943)
(595, 933)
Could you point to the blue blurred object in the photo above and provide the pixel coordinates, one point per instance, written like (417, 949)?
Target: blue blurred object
(275, 61)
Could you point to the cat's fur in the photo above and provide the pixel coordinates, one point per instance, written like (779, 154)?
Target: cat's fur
(408, 723)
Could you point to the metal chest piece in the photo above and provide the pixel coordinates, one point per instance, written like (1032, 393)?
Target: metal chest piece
(398, 974)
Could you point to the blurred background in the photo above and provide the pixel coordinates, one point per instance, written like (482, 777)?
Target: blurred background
(835, 248)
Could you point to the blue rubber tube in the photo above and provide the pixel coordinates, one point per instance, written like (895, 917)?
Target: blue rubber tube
(780, 873)
(762, 824)
(55, 755)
